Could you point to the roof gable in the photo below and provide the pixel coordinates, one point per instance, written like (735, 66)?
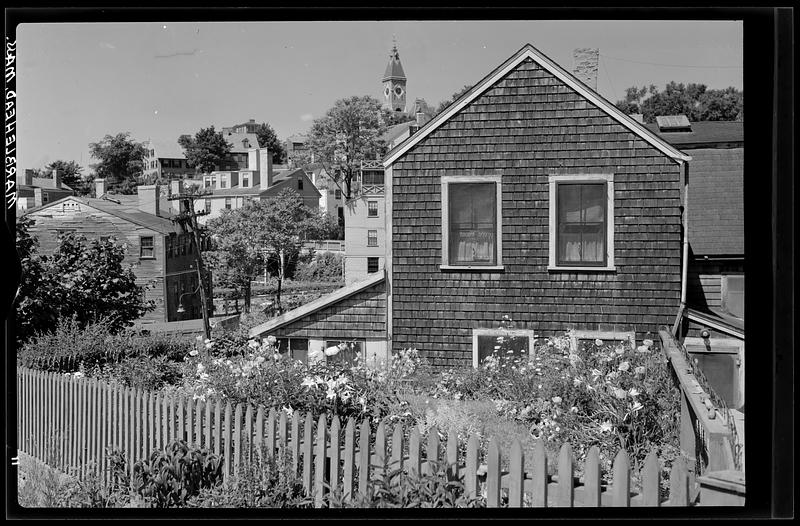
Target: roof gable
(529, 52)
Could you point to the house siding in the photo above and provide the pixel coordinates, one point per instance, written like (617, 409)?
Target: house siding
(527, 126)
(362, 315)
(705, 281)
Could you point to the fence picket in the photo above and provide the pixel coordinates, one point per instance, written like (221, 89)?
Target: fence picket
(335, 453)
(237, 439)
(321, 458)
(94, 437)
(226, 440)
(591, 478)
(258, 441)
(364, 458)
(471, 468)
(432, 451)
(63, 425)
(396, 463)
(493, 475)
(621, 490)
(540, 476)
(349, 459)
(247, 431)
(218, 428)
(295, 442)
(207, 442)
(380, 452)
(451, 454)
(516, 472)
(84, 428)
(566, 485)
(283, 431)
(308, 451)
(271, 416)
(679, 483)
(130, 431)
(190, 421)
(180, 431)
(414, 450)
(138, 428)
(651, 481)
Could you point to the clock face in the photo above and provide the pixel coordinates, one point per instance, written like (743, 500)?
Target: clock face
(398, 90)
(386, 92)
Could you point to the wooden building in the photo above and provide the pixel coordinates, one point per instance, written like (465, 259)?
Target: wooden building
(160, 250)
(531, 198)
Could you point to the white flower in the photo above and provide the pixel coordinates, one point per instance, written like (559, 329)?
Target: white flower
(598, 342)
(332, 350)
(633, 392)
(308, 382)
(576, 382)
(619, 350)
(648, 343)
(209, 344)
(640, 370)
(194, 352)
(556, 399)
(573, 409)
(77, 374)
(253, 344)
(643, 348)
(624, 366)
(330, 394)
(288, 410)
(606, 427)
(620, 393)
(636, 406)
(203, 377)
(200, 368)
(260, 359)
(271, 340)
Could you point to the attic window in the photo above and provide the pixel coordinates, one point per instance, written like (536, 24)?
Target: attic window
(673, 123)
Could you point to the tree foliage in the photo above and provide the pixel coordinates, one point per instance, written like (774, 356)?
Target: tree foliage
(350, 132)
(267, 138)
(206, 150)
(247, 239)
(445, 103)
(695, 101)
(71, 175)
(86, 282)
(121, 162)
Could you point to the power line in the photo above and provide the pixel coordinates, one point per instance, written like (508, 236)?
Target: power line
(671, 65)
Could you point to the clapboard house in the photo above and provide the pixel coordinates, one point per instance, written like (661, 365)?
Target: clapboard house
(160, 250)
(530, 197)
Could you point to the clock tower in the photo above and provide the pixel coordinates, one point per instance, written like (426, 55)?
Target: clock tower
(394, 83)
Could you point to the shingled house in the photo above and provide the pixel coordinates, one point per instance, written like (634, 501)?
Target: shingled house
(712, 327)
(530, 197)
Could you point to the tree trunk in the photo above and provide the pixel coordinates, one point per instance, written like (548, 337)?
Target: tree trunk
(247, 296)
(280, 281)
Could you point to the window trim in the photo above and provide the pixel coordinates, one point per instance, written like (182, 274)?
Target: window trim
(553, 181)
(377, 264)
(723, 291)
(501, 332)
(446, 180)
(152, 247)
(369, 208)
(583, 334)
(370, 237)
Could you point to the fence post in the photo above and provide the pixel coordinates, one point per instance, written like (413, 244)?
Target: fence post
(414, 452)
(651, 481)
(380, 451)
(321, 458)
(471, 468)
(364, 459)
(679, 483)
(295, 442)
(349, 460)
(248, 434)
(493, 475)
(516, 471)
(271, 432)
(308, 452)
(335, 454)
(540, 475)
(396, 463)
(622, 480)
(566, 484)
(451, 454)
(226, 439)
(432, 451)
(591, 478)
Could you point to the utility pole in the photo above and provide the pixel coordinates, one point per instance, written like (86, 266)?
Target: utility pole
(188, 216)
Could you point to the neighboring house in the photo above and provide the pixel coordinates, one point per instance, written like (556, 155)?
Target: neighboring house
(713, 323)
(241, 144)
(297, 150)
(33, 192)
(246, 127)
(532, 197)
(365, 225)
(161, 250)
(233, 189)
(165, 160)
(331, 200)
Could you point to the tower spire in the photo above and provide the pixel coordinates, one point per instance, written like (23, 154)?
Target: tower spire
(394, 81)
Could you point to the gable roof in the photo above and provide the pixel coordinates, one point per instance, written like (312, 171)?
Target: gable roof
(704, 134)
(530, 52)
(166, 149)
(236, 140)
(123, 210)
(311, 307)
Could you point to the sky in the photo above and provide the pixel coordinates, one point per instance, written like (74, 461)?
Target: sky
(77, 83)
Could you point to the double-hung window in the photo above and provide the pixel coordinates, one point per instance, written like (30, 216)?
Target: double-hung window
(471, 222)
(581, 222)
(146, 247)
(372, 238)
(372, 209)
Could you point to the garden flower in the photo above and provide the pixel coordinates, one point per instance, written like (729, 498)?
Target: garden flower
(573, 409)
(643, 348)
(640, 370)
(637, 406)
(77, 374)
(332, 351)
(200, 368)
(193, 352)
(633, 392)
(308, 382)
(556, 399)
(598, 342)
(253, 344)
(624, 366)
(606, 427)
(620, 393)
(619, 350)
(648, 343)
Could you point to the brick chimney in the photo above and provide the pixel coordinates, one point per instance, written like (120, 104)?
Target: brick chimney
(56, 178)
(175, 188)
(28, 181)
(149, 197)
(99, 187)
(421, 119)
(585, 64)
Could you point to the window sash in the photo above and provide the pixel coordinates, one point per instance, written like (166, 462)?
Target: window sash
(472, 235)
(147, 247)
(372, 209)
(586, 231)
(372, 265)
(372, 238)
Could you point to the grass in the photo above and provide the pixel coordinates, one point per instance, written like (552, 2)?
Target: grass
(41, 486)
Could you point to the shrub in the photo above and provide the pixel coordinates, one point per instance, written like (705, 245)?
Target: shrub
(169, 478)
(326, 266)
(263, 482)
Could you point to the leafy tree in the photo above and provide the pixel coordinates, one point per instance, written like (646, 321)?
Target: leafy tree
(695, 101)
(206, 150)
(121, 161)
(85, 282)
(350, 132)
(445, 103)
(267, 138)
(247, 239)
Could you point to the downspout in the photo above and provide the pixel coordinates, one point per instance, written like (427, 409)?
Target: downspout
(685, 269)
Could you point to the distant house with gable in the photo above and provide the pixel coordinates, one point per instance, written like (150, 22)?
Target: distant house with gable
(33, 192)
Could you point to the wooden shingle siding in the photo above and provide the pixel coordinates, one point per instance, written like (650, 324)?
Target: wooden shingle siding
(704, 283)
(526, 127)
(362, 315)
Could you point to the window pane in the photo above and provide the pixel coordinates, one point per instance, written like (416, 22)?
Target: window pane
(581, 235)
(733, 301)
(299, 349)
(502, 346)
(473, 226)
(348, 355)
(372, 265)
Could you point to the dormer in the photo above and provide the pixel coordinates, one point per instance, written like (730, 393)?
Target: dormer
(245, 143)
